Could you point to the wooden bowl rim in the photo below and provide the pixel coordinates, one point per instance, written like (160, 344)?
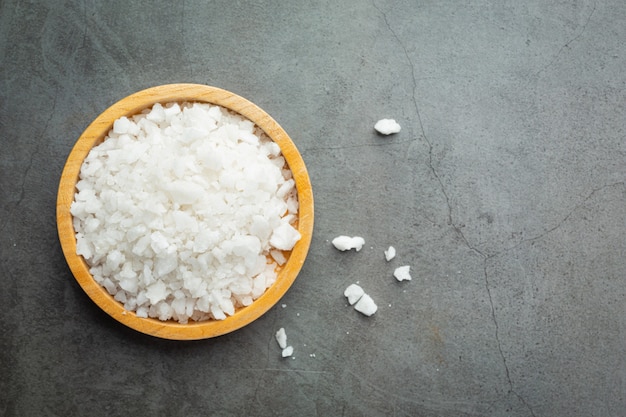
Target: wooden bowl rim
(134, 104)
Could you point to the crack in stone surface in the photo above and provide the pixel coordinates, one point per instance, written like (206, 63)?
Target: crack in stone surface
(567, 44)
(259, 381)
(450, 220)
(29, 166)
(450, 212)
(360, 145)
(564, 219)
(419, 118)
(542, 235)
(497, 337)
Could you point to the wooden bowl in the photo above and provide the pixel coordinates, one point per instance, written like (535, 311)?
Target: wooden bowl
(95, 134)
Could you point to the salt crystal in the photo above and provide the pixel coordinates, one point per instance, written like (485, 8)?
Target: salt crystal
(390, 253)
(344, 243)
(157, 114)
(287, 351)
(353, 293)
(387, 126)
(171, 111)
(402, 273)
(284, 237)
(185, 192)
(121, 125)
(156, 292)
(281, 338)
(278, 256)
(366, 305)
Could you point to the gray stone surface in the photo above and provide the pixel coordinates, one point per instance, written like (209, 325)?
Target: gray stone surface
(505, 192)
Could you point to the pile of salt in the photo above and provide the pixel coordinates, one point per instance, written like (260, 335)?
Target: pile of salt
(179, 210)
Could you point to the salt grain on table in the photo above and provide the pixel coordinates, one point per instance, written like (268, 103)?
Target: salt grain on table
(402, 273)
(281, 338)
(344, 243)
(390, 253)
(366, 305)
(387, 126)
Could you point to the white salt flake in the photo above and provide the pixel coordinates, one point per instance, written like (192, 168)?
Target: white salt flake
(281, 338)
(344, 243)
(287, 351)
(156, 292)
(387, 126)
(366, 305)
(390, 253)
(353, 293)
(121, 125)
(278, 256)
(284, 237)
(402, 273)
(185, 192)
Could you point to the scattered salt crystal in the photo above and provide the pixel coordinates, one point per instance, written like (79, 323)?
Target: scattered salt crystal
(353, 293)
(312, 355)
(366, 305)
(283, 305)
(287, 351)
(344, 243)
(387, 126)
(402, 273)
(390, 253)
(281, 338)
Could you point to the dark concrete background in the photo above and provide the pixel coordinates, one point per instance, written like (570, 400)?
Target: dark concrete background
(505, 191)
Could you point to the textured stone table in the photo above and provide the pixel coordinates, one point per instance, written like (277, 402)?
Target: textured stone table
(504, 191)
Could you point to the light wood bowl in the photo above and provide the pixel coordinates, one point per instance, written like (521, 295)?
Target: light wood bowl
(95, 134)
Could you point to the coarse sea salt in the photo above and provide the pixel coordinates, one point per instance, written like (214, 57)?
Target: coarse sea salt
(366, 305)
(362, 302)
(281, 338)
(353, 293)
(387, 126)
(344, 243)
(286, 352)
(402, 273)
(185, 212)
(390, 253)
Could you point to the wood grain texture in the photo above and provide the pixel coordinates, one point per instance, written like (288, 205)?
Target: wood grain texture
(134, 104)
